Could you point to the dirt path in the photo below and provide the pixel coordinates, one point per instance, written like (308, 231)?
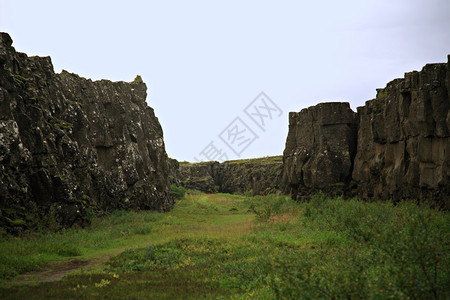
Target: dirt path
(56, 270)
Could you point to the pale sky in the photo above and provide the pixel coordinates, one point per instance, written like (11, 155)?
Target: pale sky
(204, 62)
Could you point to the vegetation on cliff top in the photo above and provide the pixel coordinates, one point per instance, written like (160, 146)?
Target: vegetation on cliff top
(266, 159)
(232, 246)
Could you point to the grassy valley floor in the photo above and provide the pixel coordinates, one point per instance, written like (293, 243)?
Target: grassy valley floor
(221, 246)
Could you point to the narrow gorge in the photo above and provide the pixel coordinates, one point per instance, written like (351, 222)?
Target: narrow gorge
(71, 147)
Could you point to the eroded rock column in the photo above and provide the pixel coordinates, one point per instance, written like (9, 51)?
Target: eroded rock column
(320, 148)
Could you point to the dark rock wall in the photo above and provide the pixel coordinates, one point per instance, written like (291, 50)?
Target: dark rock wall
(174, 172)
(402, 143)
(260, 176)
(403, 139)
(204, 176)
(69, 145)
(320, 148)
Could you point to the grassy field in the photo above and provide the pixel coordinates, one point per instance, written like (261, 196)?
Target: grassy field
(228, 246)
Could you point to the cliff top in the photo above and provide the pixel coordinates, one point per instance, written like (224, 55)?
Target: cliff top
(266, 159)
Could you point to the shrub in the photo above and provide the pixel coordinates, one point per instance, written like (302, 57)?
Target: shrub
(164, 256)
(267, 206)
(399, 251)
(138, 79)
(178, 191)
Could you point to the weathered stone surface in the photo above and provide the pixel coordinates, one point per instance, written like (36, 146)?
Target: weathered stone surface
(258, 176)
(68, 144)
(204, 176)
(403, 139)
(403, 143)
(320, 148)
(174, 172)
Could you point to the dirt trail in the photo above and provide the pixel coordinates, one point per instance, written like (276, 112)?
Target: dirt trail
(56, 270)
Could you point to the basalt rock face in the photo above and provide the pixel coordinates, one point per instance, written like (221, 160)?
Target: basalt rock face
(204, 176)
(396, 147)
(403, 139)
(174, 172)
(320, 148)
(258, 176)
(69, 145)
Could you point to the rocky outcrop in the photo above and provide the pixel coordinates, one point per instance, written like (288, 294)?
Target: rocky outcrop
(256, 176)
(174, 172)
(204, 176)
(404, 139)
(69, 145)
(402, 143)
(320, 148)
(259, 176)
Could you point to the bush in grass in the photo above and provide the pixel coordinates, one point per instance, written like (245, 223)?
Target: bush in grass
(248, 193)
(142, 229)
(415, 248)
(399, 251)
(270, 205)
(11, 266)
(152, 257)
(121, 217)
(178, 191)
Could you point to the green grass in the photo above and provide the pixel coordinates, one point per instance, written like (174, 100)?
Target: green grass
(28, 253)
(232, 246)
(266, 159)
(178, 192)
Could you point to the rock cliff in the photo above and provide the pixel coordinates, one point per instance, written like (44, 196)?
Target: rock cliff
(204, 176)
(174, 172)
(404, 140)
(259, 176)
(396, 147)
(70, 146)
(320, 148)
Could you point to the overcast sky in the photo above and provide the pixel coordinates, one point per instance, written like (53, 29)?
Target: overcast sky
(205, 62)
